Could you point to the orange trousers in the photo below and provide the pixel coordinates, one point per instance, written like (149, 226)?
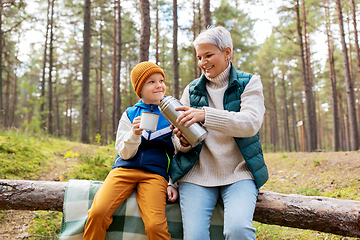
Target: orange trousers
(151, 192)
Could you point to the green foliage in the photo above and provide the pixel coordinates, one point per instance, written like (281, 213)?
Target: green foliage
(71, 154)
(19, 155)
(94, 167)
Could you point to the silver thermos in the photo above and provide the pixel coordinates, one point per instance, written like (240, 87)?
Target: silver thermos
(194, 134)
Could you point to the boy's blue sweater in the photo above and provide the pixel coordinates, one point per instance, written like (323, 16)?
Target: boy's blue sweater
(156, 148)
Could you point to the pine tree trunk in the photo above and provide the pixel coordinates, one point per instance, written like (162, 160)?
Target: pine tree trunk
(50, 97)
(1, 81)
(194, 28)
(310, 101)
(207, 13)
(101, 98)
(157, 33)
(85, 116)
(7, 100)
(335, 112)
(354, 134)
(294, 121)
(144, 42)
(353, 10)
(118, 68)
(42, 99)
(199, 17)
(113, 118)
(57, 133)
(175, 52)
(286, 118)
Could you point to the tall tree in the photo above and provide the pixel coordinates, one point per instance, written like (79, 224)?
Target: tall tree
(207, 13)
(85, 105)
(175, 61)
(286, 116)
(194, 30)
(157, 34)
(114, 64)
(42, 99)
(118, 67)
(335, 112)
(310, 126)
(144, 42)
(50, 115)
(354, 134)
(353, 10)
(310, 103)
(1, 50)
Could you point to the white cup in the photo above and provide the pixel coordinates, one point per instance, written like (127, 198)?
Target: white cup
(149, 121)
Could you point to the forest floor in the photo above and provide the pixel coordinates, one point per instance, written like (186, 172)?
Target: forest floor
(330, 174)
(15, 223)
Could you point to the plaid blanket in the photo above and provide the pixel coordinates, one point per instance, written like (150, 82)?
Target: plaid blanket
(127, 222)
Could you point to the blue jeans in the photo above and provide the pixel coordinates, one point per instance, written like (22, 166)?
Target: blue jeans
(197, 204)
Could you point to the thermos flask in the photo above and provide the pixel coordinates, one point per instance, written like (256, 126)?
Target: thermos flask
(194, 134)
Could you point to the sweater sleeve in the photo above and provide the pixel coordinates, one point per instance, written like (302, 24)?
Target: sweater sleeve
(185, 98)
(127, 143)
(245, 123)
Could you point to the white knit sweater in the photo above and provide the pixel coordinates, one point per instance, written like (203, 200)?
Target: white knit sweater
(220, 161)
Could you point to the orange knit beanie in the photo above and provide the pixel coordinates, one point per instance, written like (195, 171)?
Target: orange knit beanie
(141, 72)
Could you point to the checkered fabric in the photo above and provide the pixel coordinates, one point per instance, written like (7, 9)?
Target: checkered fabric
(127, 222)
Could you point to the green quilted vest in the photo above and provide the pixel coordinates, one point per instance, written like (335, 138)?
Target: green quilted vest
(249, 147)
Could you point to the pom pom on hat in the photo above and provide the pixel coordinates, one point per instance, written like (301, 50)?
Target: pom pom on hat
(141, 72)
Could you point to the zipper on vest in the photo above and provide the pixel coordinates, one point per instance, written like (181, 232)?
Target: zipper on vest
(151, 110)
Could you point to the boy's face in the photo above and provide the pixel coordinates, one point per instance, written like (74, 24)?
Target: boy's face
(153, 89)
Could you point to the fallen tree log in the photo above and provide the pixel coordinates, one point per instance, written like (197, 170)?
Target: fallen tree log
(337, 216)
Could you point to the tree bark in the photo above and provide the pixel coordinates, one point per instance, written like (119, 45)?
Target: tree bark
(175, 52)
(1, 82)
(118, 68)
(194, 28)
(144, 42)
(42, 104)
(306, 212)
(354, 134)
(114, 124)
(157, 34)
(293, 114)
(286, 117)
(353, 10)
(311, 132)
(85, 105)
(335, 111)
(51, 57)
(207, 13)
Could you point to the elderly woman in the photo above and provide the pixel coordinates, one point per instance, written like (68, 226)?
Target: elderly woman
(229, 163)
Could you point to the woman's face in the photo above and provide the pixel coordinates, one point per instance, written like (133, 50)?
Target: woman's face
(212, 61)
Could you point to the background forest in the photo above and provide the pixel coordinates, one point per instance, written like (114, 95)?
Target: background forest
(74, 80)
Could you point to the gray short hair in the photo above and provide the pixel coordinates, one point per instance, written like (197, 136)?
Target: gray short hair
(218, 36)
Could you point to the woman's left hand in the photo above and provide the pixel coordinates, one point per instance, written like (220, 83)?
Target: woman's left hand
(190, 115)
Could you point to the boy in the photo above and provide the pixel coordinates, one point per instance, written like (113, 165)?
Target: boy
(142, 163)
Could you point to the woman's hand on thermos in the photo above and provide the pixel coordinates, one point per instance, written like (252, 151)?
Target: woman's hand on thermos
(190, 115)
